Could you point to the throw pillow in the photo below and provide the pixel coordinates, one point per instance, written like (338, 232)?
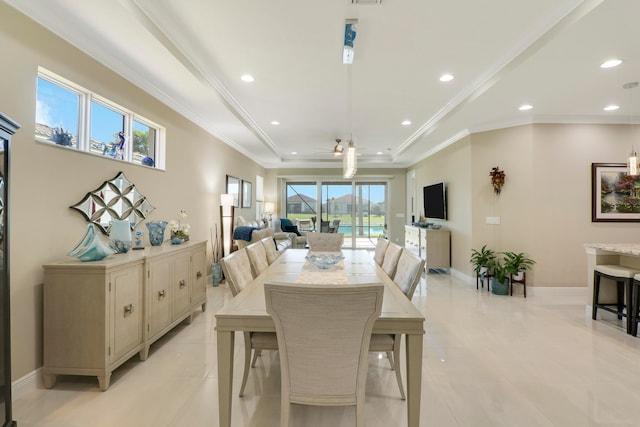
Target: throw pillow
(291, 229)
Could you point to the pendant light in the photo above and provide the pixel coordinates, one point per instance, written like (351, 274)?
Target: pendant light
(349, 162)
(633, 166)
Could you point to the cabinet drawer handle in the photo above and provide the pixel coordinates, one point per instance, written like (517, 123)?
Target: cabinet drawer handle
(161, 294)
(182, 283)
(199, 274)
(128, 309)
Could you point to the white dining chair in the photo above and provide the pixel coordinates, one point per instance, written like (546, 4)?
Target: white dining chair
(258, 258)
(318, 365)
(237, 271)
(381, 248)
(391, 257)
(325, 242)
(270, 249)
(407, 277)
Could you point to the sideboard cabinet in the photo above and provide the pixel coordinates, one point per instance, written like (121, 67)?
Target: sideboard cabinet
(434, 246)
(99, 314)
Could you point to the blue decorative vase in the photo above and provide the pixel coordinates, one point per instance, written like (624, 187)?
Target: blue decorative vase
(216, 273)
(120, 236)
(156, 232)
(91, 247)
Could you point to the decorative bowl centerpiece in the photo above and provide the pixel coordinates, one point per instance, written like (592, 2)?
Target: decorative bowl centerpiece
(324, 261)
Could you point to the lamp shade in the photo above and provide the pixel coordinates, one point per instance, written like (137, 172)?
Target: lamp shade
(226, 200)
(269, 207)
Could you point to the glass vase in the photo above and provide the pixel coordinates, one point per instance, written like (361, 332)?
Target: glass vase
(120, 236)
(91, 247)
(156, 232)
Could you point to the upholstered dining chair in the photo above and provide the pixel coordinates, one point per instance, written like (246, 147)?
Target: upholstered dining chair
(407, 277)
(258, 258)
(270, 249)
(325, 242)
(381, 248)
(391, 257)
(317, 365)
(237, 270)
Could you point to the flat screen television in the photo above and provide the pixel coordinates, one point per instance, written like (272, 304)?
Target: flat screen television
(435, 201)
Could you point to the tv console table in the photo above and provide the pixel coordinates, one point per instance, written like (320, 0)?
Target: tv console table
(434, 246)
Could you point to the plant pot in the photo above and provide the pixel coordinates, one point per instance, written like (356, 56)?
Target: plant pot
(518, 276)
(216, 273)
(499, 288)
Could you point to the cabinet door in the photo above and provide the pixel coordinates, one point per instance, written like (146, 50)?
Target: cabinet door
(181, 279)
(126, 310)
(198, 278)
(159, 295)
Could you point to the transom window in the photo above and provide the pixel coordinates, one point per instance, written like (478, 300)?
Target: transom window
(67, 115)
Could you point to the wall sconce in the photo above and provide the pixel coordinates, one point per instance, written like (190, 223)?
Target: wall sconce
(226, 219)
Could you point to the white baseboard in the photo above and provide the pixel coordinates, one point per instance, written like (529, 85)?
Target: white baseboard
(28, 383)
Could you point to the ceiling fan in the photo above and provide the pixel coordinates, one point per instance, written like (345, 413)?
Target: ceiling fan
(337, 149)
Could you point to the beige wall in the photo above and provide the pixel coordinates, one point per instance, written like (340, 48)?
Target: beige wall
(545, 204)
(396, 190)
(46, 180)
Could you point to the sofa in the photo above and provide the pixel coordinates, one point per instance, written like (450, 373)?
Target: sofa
(282, 240)
(298, 239)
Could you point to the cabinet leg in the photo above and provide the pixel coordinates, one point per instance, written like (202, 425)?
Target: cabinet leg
(103, 381)
(204, 306)
(189, 318)
(144, 353)
(49, 380)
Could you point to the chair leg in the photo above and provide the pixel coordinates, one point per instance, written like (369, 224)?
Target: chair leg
(396, 359)
(628, 290)
(256, 354)
(620, 291)
(635, 308)
(596, 292)
(247, 359)
(391, 359)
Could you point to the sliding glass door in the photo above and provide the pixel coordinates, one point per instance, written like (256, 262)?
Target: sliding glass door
(356, 209)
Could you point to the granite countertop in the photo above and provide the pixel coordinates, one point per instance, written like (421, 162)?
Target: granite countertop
(620, 248)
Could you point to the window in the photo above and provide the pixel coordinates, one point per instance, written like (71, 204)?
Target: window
(70, 116)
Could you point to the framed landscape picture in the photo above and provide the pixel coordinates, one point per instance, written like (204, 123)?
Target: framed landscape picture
(233, 187)
(615, 195)
(246, 194)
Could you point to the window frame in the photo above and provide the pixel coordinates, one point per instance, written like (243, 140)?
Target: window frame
(86, 99)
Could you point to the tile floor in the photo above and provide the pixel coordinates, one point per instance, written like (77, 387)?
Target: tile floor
(488, 361)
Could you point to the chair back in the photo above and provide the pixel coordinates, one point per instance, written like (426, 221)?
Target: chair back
(381, 248)
(270, 249)
(237, 270)
(323, 337)
(325, 242)
(257, 257)
(324, 226)
(334, 226)
(304, 224)
(408, 272)
(391, 257)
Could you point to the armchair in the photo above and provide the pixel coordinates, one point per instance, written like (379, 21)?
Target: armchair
(299, 239)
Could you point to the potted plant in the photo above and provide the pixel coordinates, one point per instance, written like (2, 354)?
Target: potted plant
(480, 259)
(500, 273)
(518, 263)
(216, 267)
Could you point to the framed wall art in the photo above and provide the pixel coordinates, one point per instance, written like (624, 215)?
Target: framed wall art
(246, 194)
(233, 187)
(615, 196)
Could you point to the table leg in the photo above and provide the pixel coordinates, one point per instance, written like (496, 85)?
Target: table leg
(225, 376)
(414, 378)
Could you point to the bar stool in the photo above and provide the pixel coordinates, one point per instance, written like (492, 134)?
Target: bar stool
(635, 304)
(623, 276)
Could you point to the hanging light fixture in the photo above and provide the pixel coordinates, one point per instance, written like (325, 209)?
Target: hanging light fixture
(349, 162)
(338, 149)
(633, 165)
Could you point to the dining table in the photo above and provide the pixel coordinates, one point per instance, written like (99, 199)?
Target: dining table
(247, 312)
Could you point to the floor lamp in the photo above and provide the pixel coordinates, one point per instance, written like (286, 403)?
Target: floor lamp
(226, 220)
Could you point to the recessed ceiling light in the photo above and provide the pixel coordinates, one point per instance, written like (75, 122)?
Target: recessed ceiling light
(525, 107)
(611, 63)
(611, 107)
(406, 122)
(247, 78)
(446, 77)
(294, 152)
(379, 152)
(275, 123)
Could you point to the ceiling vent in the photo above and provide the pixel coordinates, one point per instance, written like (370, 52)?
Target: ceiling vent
(367, 2)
